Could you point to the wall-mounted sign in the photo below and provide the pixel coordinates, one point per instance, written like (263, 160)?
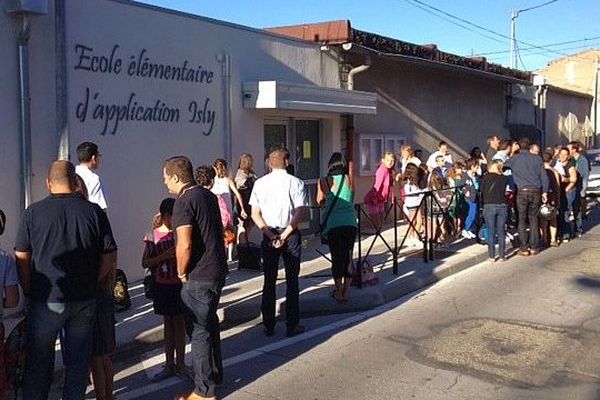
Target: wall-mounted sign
(131, 107)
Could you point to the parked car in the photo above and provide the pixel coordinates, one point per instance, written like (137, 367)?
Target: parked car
(593, 156)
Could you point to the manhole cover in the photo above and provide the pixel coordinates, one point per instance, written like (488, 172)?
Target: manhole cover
(587, 262)
(514, 353)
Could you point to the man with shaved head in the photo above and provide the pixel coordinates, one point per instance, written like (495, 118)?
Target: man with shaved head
(64, 248)
(278, 200)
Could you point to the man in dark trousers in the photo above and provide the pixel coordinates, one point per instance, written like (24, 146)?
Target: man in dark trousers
(278, 200)
(201, 267)
(532, 187)
(64, 249)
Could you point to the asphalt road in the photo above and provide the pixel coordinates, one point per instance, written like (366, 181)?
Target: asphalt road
(525, 329)
(528, 328)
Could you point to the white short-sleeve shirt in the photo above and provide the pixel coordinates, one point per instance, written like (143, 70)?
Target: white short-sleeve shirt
(93, 185)
(431, 160)
(278, 194)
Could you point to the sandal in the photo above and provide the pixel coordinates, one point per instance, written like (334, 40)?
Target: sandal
(335, 297)
(554, 243)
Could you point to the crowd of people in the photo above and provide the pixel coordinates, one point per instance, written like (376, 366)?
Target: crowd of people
(512, 184)
(65, 253)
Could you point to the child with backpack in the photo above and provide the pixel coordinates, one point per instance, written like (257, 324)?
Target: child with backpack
(471, 191)
(159, 257)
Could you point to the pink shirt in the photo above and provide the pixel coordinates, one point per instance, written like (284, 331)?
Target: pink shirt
(381, 191)
(160, 242)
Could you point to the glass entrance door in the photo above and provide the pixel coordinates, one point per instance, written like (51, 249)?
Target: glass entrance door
(303, 141)
(307, 165)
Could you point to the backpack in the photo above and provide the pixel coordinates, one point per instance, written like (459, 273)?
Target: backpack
(121, 292)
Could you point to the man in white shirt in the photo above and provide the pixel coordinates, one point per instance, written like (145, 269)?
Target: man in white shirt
(442, 151)
(278, 200)
(89, 161)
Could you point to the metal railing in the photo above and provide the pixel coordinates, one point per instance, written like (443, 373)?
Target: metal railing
(429, 207)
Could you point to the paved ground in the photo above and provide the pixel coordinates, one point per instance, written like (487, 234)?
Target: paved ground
(495, 324)
(524, 329)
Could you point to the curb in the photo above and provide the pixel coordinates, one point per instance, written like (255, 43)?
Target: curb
(320, 304)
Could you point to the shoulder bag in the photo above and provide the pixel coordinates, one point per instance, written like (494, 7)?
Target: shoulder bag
(325, 238)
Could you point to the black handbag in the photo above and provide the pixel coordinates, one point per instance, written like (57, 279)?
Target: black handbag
(325, 238)
(249, 256)
(149, 285)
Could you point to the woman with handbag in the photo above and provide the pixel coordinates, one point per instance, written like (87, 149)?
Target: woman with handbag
(159, 257)
(244, 181)
(339, 225)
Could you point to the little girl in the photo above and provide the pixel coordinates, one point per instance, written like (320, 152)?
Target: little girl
(412, 202)
(159, 257)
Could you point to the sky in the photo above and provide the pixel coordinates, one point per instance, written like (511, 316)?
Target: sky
(416, 22)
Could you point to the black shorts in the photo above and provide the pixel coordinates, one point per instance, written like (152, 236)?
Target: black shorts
(104, 327)
(167, 299)
(341, 244)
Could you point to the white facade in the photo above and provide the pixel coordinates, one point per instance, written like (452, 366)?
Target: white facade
(146, 84)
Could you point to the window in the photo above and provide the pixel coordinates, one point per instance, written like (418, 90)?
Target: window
(371, 148)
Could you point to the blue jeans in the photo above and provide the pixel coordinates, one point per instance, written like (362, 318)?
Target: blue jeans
(471, 215)
(291, 259)
(202, 299)
(44, 321)
(571, 205)
(495, 219)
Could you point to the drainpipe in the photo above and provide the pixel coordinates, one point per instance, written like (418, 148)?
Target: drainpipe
(538, 113)
(25, 109)
(358, 70)
(543, 98)
(60, 45)
(224, 60)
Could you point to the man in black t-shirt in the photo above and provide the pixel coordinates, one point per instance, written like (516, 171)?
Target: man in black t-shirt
(64, 248)
(202, 267)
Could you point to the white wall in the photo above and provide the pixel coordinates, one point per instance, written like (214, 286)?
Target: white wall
(134, 152)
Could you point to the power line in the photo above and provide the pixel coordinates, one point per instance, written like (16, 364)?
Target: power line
(543, 45)
(537, 53)
(538, 6)
(416, 3)
(454, 22)
(520, 59)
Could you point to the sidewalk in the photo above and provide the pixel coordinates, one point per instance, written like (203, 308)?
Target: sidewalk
(139, 328)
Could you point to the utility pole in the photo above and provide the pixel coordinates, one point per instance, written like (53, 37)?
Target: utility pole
(513, 39)
(513, 27)
(596, 70)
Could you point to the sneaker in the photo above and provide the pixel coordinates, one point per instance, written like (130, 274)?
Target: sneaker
(466, 234)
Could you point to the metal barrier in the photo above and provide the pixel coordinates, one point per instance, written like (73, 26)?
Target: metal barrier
(430, 201)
